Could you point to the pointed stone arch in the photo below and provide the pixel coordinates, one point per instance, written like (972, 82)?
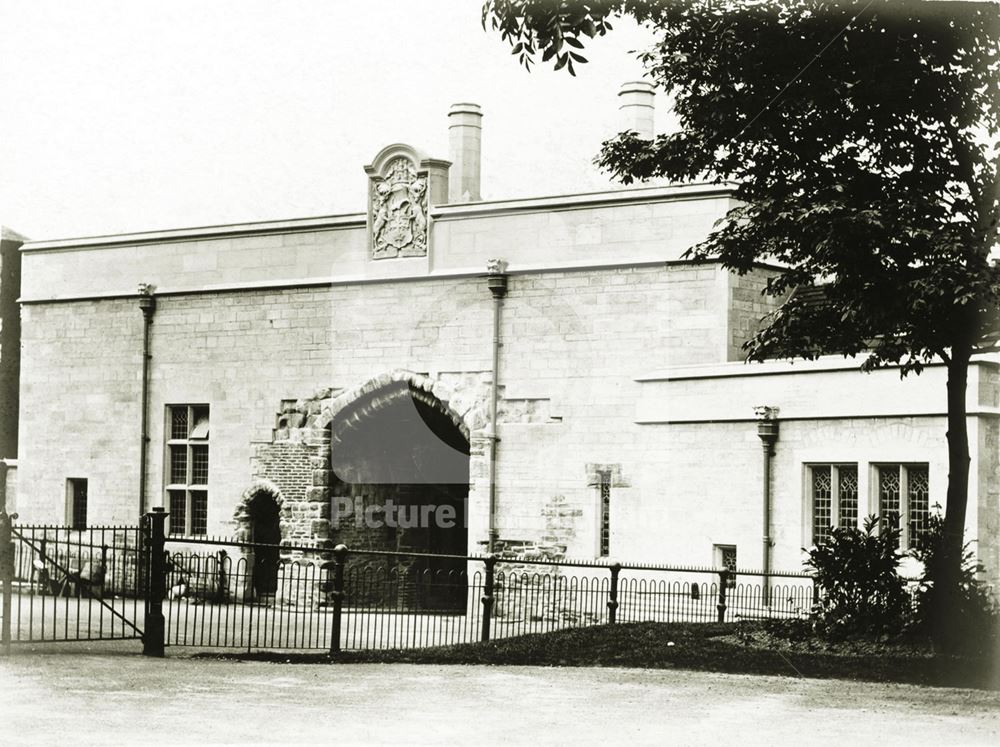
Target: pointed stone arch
(295, 461)
(380, 392)
(400, 468)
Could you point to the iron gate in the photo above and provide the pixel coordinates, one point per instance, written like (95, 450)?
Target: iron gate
(65, 584)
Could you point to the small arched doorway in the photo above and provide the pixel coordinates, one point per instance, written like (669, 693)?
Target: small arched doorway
(259, 516)
(399, 464)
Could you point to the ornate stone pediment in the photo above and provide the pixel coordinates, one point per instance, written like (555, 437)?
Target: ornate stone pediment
(400, 187)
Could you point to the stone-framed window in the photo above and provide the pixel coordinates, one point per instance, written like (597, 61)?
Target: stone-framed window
(903, 498)
(76, 502)
(724, 556)
(605, 480)
(186, 466)
(832, 491)
(604, 487)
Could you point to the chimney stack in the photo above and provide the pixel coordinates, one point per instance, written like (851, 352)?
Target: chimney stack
(465, 129)
(637, 108)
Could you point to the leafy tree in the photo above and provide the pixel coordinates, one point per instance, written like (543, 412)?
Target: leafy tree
(861, 135)
(976, 617)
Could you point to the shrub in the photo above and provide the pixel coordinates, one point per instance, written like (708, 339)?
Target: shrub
(861, 591)
(974, 616)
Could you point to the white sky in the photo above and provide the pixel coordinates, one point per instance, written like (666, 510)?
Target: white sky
(134, 115)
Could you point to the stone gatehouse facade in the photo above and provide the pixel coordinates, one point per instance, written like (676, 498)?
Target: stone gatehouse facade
(349, 360)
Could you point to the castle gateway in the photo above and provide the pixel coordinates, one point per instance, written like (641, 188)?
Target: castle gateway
(440, 373)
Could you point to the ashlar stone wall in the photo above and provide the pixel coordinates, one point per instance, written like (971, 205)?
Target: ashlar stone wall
(274, 364)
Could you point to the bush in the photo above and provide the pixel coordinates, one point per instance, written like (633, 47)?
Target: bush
(861, 591)
(974, 616)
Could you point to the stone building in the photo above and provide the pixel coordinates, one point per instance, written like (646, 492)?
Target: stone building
(336, 364)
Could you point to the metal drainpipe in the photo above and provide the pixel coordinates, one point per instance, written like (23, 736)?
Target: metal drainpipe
(147, 305)
(767, 431)
(496, 281)
(3, 487)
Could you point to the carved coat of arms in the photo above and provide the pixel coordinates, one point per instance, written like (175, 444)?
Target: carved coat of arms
(399, 211)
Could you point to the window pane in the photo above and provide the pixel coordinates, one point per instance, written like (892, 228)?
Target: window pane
(199, 465)
(178, 422)
(888, 496)
(848, 508)
(199, 512)
(918, 501)
(200, 429)
(729, 557)
(821, 502)
(178, 465)
(178, 511)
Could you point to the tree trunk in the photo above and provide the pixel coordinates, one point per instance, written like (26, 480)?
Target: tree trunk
(948, 572)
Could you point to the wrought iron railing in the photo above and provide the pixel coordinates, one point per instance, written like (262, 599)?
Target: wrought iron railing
(326, 599)
(129, 582)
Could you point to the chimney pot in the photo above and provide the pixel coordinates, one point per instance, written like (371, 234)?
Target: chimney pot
(465, 128)
(638, 101)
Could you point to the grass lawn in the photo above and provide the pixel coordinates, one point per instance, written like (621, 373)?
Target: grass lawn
(738, 648)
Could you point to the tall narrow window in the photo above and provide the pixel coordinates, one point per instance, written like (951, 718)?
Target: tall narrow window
(822, 501)
(847, 495)
(76, 502)
(187, 469)
(888, 497)
(918, 501)
(605, 504)
(904, 499)
(833, 498)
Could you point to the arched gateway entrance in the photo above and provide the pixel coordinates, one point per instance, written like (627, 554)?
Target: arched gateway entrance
(399, 482)
(258, 520)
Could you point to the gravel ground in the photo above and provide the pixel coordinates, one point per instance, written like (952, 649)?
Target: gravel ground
(98, 697)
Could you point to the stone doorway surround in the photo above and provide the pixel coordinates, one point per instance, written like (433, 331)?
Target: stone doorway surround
(262, 501)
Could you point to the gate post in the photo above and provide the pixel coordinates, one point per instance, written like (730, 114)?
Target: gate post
(491, 562)
(6, 575)
(339, 559)
(721, 606)
(154, 628)
(616, 568)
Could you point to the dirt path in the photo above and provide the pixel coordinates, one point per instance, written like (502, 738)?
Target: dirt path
(126, 699)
